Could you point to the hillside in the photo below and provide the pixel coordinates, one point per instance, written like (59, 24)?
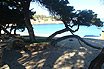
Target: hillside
(42, 19)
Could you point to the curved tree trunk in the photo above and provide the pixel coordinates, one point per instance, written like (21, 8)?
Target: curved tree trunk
(27, 19)
(57, 32)
(62, 31)
(29, 26)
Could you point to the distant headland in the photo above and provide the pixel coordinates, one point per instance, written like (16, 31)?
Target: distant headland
(44, 22)
(43, 19)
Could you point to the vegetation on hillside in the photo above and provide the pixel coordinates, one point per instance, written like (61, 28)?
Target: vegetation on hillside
(45, 18)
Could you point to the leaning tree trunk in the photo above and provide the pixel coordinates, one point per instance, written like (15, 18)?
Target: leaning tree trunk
(27, 20)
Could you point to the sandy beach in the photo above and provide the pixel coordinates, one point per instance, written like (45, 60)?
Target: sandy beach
(66, 55)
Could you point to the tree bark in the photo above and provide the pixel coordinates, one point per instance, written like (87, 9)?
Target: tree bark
(57, 32)
(0, 31)
(62, 31)
(27, 20)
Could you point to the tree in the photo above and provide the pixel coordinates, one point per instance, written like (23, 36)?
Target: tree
(22, 5)
(25, 5)
(69, 16)
(11, 16)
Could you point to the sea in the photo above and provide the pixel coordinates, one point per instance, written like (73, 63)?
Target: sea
(51, 28)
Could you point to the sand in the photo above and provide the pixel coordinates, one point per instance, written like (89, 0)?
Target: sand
(66, 55)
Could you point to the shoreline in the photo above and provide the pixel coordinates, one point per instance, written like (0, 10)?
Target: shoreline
(47, 35)
(59, 35)
(45, 22)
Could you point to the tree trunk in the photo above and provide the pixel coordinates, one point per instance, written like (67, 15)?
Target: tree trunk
(27, 21)
(0, 31)
(57, 32)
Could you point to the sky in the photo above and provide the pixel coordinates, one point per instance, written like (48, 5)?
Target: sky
(96, 5)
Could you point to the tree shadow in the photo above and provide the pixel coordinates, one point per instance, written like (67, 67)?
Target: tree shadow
(10, 58)
(76, 55)
(62, 56)
(40, 59)
(97, 42)
(50, 57)
(68, 54)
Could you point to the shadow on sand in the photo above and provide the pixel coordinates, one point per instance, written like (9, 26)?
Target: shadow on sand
(62, 56)
(10, 58)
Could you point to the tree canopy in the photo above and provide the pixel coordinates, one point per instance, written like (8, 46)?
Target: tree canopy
(69, 15)
(11, 16)
(60, 8)
(20, 8)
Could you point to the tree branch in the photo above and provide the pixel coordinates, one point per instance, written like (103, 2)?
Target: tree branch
(72, 25)
(57, 32)
(62, 31)
(19, 38)
(5, 30)
(77, 29)
(54, 42)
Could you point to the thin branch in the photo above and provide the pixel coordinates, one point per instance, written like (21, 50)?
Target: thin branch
(14, 36)
(5, 30)
(77, 29)
(72, 25)
(74, 30)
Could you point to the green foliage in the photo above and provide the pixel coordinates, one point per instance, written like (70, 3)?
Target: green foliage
(22, 5)
(45, 18)
(11, 16)
(58, 8)
(11, 12)
(87, 18)
(69, 16)
(39, 17)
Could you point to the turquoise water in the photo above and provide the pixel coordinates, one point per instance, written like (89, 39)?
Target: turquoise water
(51, 28)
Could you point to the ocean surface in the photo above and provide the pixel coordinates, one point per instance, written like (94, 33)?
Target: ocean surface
(51, 28)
